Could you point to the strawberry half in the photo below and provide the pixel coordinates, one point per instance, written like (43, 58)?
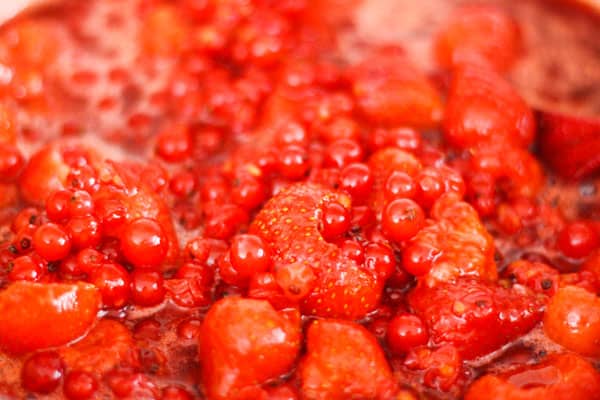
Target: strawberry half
(571, 145)
(36, 316)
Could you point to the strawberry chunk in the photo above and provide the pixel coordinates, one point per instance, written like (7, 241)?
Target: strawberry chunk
(571, 145)
(289, 224)
(478, 32)
(108, 345)
(483, 109)
(45, 173)
(243, 344)
(390, 90)
(344, 361)
(474, 316)
(565, 376)
(36, 316)
(456, 244)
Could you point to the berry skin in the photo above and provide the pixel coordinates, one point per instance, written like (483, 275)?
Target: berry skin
(112, 280)
(400, 185)
(578, 240)
(296, 280)
(42, 372)
(249, 255)
(52, 242)
(288, 223)
(402, 219)
(27, 268)
(293, 162)
(405, 332)
(174, 145)
(343, 361)
(147, 288)
(144, 243)
(11, 162)
(474, 316)
(357, 180)
(238, 332)
(84, 231)
(343, 152)
(79, 385)
(573, 378)
(36, 316)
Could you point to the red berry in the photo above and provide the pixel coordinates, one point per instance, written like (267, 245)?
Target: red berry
(293, 162)
(353, 250)
(578, 239)
(81, 204)
(26, 268)
(11, 162)
(248, 192)
(225, 221)
(51, 241)
(402, 219)
(357, 180)
(291, 132)
(42, 372)
(84, 231)
(249, 255)
(57, 205)
(343, 152)
(296, 280)
(417, 259)
(405, 332)
(183, 184)
(174, 145)
(144, 243)
(79, 385)
(380, 258)
(113, 282)
(147, 288)
(400, 185)
(175, 393)
(26, 217)
(335, 220)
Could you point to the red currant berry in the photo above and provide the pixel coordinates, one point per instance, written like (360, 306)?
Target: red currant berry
(79, 385)
(112, 280)
(400, 185)
(405, 332)
(52, 242)
(26, 268)
(577, 240)
(249, 255)
(11, 162)
(183, 184)
(29, 216)
(57, 205)
(293, 162)
(248, 192)
(402, 219)
(147, 288)
(357, 180)
(144, 243)
(84, 231)
(174, 145)
(42, 372)
(335, 220)
(296, 280)
(380, 259)
(343, 152)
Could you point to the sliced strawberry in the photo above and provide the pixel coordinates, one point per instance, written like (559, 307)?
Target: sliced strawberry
(36, 316)
(478, 32)
(565, 376)
(382, 163)
(344, 361)
(456, 244)
(45, 173)
(474, 316)
(108, 345)
(289, 224)
(390, 90)
(483, 108)
(570, 144)
(243, 344)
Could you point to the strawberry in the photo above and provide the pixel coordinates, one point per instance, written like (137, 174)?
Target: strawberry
(475, 316)
(289, 224)
(344, 361)
(108, 345)
(455, 244)
(36, 316)
(564, 376)
(243, 344)
(483, 109)
(382, 163)
(570, 144)
(390, 90)
(45, 173)
(478, 33)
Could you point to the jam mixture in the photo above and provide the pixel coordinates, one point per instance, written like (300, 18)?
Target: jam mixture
(225, 200)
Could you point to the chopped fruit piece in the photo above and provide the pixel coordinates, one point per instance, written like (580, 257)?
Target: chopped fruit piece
(564, 376)
(484, 109)
(478, 33)
(456, 244)
(36, 316)
(571, 145)
(572, 319)
(45, 172)
(475, 317)
(391, 91)
(344, 361)
(442, 367)
(239, 332)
